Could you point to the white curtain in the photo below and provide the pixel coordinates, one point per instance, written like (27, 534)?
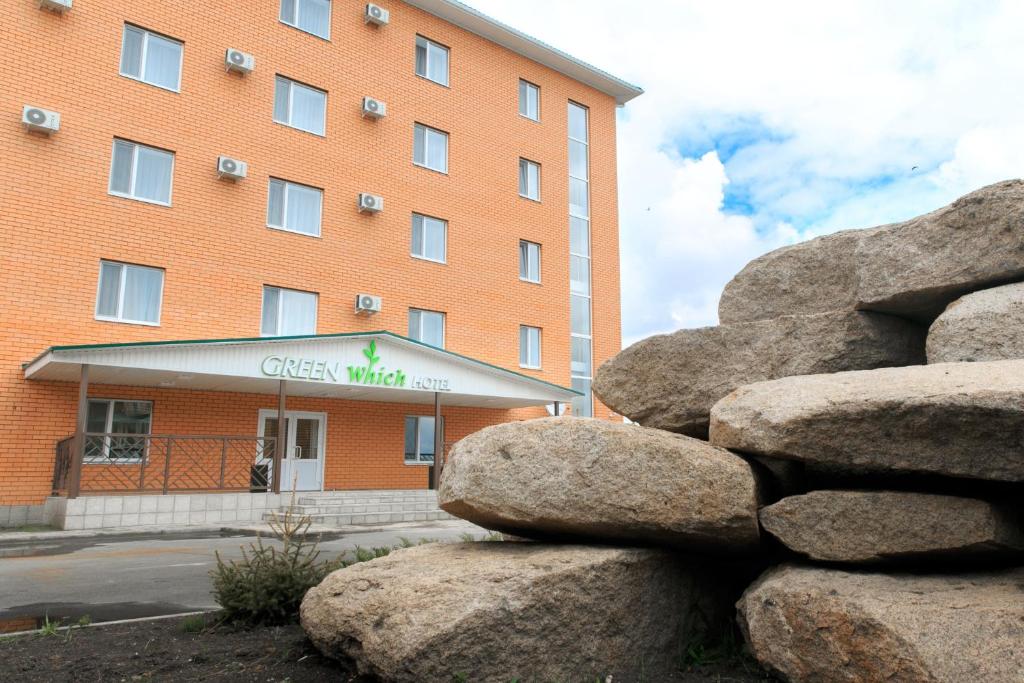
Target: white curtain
(315, 17)
(433, 328)
(309, 107)
(437, 150)
(153, 169)
(110, 289)
(163, 62)
(131, 51)
(121, 168)
(298, 313)
(434, 239)
(142, 289)
(303, 209)
(437, 64)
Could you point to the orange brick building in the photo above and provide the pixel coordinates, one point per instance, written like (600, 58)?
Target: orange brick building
(127, 223)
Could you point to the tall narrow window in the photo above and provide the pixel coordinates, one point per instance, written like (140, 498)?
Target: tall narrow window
(142, 173)
(129, 293)
(311, 16)
(430, 148)
(419, 439)
(529, 179)
(429, 238)
(123, 425)
(427, 327)
(529, 347)
(529, 100)
(299, 106)
(294, 207)
(529, 261)
(580, 323)
(431, 60)
(151, 58)
(288, 312)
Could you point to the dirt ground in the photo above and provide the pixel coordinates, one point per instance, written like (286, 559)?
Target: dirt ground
(164, 651)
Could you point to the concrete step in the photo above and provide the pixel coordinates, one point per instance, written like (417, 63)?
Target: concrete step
(366, 497)
(349, 519)
(362, 508)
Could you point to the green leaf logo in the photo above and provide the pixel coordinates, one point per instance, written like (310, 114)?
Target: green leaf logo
(371, 352)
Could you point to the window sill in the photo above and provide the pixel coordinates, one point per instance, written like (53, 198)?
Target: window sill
(535, 200)
(124, 321)
(529, 118)
(176, 91)
(431, 80)
(301, 130)
(530, 367)
(118, 461)
(326, 38)
(429, 260)
(154, 202)
(429, 168)
(529, 281)
(294, 232)
(418, 464)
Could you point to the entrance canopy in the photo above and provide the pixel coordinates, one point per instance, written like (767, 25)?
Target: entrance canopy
(365, 366)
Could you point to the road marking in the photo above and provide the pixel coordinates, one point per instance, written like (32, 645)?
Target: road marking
(165, 566)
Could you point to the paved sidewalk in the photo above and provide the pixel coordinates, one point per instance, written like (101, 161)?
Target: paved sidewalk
(71, 574)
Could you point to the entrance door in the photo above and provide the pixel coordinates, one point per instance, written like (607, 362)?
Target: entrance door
(302, 467)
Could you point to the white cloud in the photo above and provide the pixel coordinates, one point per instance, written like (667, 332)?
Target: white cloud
(819, 110)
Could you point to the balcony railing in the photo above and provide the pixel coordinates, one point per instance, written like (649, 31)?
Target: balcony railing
(147, 463)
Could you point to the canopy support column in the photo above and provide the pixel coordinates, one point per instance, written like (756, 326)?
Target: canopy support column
(282, 435)
(438, 441)
(78, 449)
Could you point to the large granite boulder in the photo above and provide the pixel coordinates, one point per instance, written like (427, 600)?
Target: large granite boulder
(671, 381)
(952, 419)
(985, 325)
(494, 611)
(826, 625)
(911, 269)
(576, 478)
(878, 526)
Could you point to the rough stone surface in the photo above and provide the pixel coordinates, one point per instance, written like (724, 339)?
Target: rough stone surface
(826, 625)
(606, 481)
(985, 325)
(875, 526)
(912, 269)
(494, 611)
(671, 381)
(954, 419)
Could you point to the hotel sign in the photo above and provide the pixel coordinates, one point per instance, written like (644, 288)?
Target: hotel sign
(370, 374)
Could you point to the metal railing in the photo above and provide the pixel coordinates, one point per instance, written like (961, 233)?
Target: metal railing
(149, 463)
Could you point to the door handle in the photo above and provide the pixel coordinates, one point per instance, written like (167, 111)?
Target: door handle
(297, 453)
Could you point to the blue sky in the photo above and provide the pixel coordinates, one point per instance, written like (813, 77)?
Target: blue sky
(767, 123)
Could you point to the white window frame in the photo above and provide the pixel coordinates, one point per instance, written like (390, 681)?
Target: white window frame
(280, 308)
(416, 436)
(294, 23)
(105, 459)
(292, 84)
(121, 292)
(135, 173)
(427, 130)
(426, 63)
(540, 345)
(284, 208)
(526, 278)
(141, 78)
(523, 160)
(529, 85)
(422, 256)
(444, 326)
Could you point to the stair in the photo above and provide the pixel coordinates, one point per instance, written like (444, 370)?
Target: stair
(369, 508)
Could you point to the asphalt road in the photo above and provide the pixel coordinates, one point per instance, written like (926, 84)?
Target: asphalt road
(123, 577)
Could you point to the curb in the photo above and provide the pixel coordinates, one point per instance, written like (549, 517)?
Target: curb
(158, 617)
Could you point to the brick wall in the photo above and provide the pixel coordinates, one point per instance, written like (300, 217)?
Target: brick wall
(58, 221)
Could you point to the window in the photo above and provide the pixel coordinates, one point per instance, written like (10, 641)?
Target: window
(294, 207)
(288, 312)
(529, 261)
(299, 106)
(123, 426)
(151, 58)
(427, 327)
(529, 100)
(429, 238)
(529, 179)
(142, 173)
(430, 148)
(311, 16)
(419, 439)
(529, 347)
(581, 363)
(431, 60)
(129, 294)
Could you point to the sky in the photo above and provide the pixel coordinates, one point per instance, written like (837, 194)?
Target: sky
(767, 123)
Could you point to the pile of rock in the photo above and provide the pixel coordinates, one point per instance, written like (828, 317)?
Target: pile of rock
(853, 431)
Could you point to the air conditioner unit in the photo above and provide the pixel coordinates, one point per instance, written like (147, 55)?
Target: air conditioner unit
(232, 169)
(59, 6)
(377, 15)
(370, 202)
(236, 60)
(40, 120)
(374, 109)
(367, 303)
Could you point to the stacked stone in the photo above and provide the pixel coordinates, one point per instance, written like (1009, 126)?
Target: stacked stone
(853, 432)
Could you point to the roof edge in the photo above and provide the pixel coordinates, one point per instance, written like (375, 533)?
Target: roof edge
(476, 22)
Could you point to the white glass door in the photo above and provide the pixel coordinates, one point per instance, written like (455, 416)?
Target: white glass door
(302, 467)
